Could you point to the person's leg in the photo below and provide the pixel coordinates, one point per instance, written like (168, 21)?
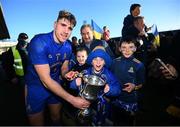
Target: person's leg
(54, 105)
(121, 117)
(117, 116)
(54, 110)
(36, 119)
(35, 103)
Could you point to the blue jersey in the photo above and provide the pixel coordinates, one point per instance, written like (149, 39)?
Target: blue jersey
(128, 70)
(44, 50)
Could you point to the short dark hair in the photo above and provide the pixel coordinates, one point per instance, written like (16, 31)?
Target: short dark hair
(104, 27)
(67, 15)
(22, 36)
(133, 6)
(81, 48)
(74, 38)
(128, 39)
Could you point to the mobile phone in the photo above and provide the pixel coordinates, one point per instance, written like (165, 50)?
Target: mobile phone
(164, 65)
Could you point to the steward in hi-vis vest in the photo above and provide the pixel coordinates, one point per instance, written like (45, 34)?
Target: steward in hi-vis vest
(18, 67)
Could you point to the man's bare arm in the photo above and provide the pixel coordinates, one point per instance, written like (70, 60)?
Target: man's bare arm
(44, 74)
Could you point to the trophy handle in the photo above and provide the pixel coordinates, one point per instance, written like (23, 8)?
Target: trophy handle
(82, 87)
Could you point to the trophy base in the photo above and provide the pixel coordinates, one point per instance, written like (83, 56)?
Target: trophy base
(84, 117)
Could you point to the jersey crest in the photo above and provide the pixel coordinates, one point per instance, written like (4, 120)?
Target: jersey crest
(131, 70)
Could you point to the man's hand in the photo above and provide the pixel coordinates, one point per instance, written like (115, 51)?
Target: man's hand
(80, 103)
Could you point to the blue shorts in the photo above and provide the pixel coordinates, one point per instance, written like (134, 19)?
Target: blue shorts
(38, 97)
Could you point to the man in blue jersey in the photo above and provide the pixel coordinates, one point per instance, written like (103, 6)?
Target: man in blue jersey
(49, 55)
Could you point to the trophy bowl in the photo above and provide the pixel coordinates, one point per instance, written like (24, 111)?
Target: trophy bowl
(93, 84)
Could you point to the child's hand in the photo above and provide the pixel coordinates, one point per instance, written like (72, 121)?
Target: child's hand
(78, 81)
(71, 75)
(106, 88)
(129, 87)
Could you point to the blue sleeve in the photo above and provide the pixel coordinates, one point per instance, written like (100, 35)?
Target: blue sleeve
(115, 86)
(37, 52)
(73, 85)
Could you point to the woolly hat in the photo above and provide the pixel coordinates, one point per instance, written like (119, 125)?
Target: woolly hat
(99, 53)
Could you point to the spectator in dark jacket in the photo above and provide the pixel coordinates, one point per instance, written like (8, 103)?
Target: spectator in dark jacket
(129, 19)
(90, 43)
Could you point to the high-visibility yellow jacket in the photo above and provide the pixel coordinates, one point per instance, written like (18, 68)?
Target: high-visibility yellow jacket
(17, 62)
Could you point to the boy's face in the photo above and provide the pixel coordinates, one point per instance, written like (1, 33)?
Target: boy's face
(98, 63)
(81, 57)
(127, 49)
(136, 11)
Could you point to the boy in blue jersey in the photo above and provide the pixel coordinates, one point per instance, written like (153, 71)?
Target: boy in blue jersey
(131, 73)
(100, 61)
(49, 55)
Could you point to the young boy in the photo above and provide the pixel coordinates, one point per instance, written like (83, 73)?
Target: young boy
(78, 63)
(81, 57)
(77, 66)
(130, 72)
(100, 61)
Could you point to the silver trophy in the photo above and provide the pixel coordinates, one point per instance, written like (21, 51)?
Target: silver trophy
(89, 90)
